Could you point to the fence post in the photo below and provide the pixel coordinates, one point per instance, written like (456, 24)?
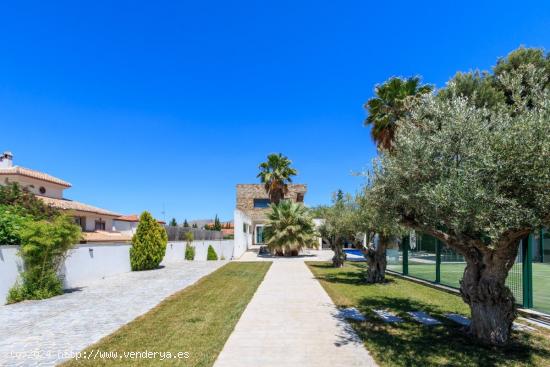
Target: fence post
(437, 261)
(541, 245)
(527, 274)
(406, 241)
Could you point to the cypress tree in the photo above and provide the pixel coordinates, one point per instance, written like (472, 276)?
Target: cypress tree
(148, 244)
(211, 253)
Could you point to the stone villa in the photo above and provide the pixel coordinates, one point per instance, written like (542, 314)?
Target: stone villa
(252, 206)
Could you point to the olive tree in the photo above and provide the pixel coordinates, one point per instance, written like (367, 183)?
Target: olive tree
(477, 179)
(340, 226)
(383, 224)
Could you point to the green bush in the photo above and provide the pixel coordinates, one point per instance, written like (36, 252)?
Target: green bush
(11, 223)
(211, 253)
(189, 252)
(44, 247)
(148, 244)
(22, 201)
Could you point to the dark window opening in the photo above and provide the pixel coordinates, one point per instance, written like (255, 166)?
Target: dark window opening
(80, 221)
(99, 225)
(261, 203)
(300, 198)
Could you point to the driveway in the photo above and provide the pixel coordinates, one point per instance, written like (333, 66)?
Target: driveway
(291, 321)
(43, 333)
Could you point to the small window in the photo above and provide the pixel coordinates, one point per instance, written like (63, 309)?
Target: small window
(245, 228)
(80, 221)
(261, 203)
(300, 198)
(99, 225)
(42, 190)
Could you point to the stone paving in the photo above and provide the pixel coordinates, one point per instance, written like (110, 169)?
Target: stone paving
(40, 333)
(291, 321)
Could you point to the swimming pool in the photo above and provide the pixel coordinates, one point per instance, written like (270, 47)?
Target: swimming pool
(352, 251)
(354, 254)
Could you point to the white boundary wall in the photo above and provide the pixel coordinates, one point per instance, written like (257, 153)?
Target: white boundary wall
(91, 262)
(242, 239)
(10, 267)
(175, 251)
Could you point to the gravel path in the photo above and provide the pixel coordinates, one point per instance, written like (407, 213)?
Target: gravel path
(43, 333)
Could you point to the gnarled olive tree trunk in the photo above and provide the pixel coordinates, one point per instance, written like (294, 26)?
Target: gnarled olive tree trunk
(339, 254)
(376, 261)
(483, 288)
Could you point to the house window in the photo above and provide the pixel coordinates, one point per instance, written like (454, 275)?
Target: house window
(245, 227)
(300, 198)
(80, 221)
(99, 225)
(261, 203)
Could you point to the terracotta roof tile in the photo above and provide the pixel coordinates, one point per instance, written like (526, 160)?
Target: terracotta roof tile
(65, 204)
(133, 218)
(128, 218)
(16, 170)
(104, 236)
(228, 231)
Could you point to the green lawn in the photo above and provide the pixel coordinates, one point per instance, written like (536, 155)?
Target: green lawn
(413, 344)
(451, 273)
(197, 320)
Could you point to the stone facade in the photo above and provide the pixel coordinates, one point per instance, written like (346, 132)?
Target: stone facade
(246, 193)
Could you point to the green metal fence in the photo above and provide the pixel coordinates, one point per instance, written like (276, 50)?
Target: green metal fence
(424, 257)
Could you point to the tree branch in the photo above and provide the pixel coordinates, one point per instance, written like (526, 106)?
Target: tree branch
(456, 242)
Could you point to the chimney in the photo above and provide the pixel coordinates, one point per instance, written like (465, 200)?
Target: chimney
(6, 160)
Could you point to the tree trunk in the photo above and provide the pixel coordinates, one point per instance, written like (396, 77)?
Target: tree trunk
(376, 261)
(491, 302)
(276, 196)
(339, 254)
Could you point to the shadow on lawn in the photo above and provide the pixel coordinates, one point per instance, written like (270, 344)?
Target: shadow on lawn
(352, 277)
(412, 344)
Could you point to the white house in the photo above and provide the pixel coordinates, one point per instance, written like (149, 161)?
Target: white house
(127, 224)
(96, 223)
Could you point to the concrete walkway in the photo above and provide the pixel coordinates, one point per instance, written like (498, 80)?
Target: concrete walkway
(291, 321)
(43, 333)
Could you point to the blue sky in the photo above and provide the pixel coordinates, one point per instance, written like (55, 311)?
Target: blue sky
(152, 105)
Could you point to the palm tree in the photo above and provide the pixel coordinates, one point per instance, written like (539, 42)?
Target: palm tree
(389, 105)
(289, 229)
(276, 174)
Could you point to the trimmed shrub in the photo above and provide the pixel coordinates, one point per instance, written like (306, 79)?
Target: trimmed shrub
(189, 249)
(148, 244)
(189, 252)
(211, 253)
(188, 237)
